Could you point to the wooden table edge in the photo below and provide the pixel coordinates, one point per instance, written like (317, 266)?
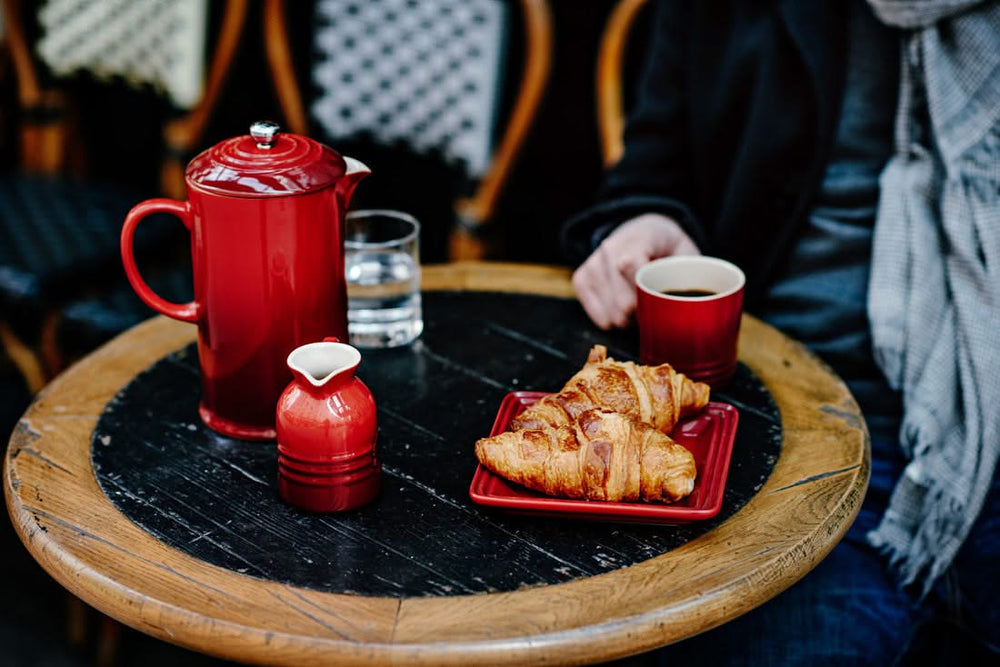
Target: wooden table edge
(424, 631)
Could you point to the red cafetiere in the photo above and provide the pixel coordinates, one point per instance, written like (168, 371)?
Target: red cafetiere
(266, 216)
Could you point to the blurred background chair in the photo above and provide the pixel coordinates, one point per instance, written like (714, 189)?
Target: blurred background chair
(60, 218)
(101, 87)
(94, 88)
(617, 52)
(436, 96)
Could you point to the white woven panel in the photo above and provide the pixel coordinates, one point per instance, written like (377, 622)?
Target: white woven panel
(422, 72)
(145, 42)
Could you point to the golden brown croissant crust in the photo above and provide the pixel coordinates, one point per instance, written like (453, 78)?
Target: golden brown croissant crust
(655, 395)
(599, 456)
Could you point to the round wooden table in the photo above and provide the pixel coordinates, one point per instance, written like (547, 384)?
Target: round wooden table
(85, 542)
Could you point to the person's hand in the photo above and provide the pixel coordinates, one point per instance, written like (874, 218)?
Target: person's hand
(605, 283)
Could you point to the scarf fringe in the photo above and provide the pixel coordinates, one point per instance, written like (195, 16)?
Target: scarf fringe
(920, 550)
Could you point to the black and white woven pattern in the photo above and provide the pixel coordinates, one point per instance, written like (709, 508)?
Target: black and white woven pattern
(424, 73)
(144, 42)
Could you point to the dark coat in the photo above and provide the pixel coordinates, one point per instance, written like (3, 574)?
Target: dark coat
(734, 121)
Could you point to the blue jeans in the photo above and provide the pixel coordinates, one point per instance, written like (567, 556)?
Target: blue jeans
(849, 610)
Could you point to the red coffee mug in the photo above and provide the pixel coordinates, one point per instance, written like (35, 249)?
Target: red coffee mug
(688, 310)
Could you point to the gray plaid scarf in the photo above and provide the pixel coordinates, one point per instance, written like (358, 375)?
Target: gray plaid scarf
(934, 299)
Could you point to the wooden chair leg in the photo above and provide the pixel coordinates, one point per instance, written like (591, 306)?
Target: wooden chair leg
(465, 245)
(51, 356)
(26, 361)
(108, 641)
(76, 621)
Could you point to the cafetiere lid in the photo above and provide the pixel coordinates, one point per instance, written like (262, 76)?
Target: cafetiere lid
(265, 163)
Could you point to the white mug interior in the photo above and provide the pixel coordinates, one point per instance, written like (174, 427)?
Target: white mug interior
(690, 273)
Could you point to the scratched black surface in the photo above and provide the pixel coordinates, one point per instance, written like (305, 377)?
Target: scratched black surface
(215, 498)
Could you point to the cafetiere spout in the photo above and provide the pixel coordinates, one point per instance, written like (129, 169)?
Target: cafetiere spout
(356, 171)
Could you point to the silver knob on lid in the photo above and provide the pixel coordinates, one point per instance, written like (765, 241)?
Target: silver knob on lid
(265, 133)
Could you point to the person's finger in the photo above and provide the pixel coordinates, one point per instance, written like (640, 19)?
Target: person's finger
(683, 245)
(618, 291)
(587, 284)
(607, 296)
(620, 287)
(662, 236)
(629, 262)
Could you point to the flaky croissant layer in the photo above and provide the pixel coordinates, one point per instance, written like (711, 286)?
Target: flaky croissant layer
(655, 395)
(600, 455)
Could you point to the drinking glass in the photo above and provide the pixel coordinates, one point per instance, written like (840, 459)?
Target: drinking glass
(382, 268)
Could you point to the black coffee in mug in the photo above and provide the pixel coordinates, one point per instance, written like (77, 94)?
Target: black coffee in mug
(688, 292)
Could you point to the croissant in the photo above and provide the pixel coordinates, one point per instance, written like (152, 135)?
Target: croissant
(599, 456)
(655, 395)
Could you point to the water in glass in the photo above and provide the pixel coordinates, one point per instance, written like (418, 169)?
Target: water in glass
(383, 290)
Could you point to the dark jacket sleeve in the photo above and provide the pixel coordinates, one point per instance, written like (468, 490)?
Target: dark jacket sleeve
(654, 172)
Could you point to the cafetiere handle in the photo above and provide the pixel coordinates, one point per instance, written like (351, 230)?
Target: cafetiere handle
(186, 312)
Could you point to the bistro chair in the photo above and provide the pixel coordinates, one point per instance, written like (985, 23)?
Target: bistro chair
(427, 94)
(60, 270)
(59, 223)
(612, 82)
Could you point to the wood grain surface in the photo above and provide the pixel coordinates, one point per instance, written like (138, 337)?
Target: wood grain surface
(85, 543)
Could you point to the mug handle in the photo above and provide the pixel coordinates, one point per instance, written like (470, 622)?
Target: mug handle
(187, 312)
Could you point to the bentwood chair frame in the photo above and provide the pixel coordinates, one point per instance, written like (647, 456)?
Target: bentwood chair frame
(610, 76)
(470, 236)
(49, 147)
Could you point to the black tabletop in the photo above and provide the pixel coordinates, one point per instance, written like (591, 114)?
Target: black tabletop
(216, 499)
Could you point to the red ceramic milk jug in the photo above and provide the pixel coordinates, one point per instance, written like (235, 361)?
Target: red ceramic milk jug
(327, 431)
(266, 214)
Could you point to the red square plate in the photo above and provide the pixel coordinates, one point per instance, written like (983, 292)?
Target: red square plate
(708, 436)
